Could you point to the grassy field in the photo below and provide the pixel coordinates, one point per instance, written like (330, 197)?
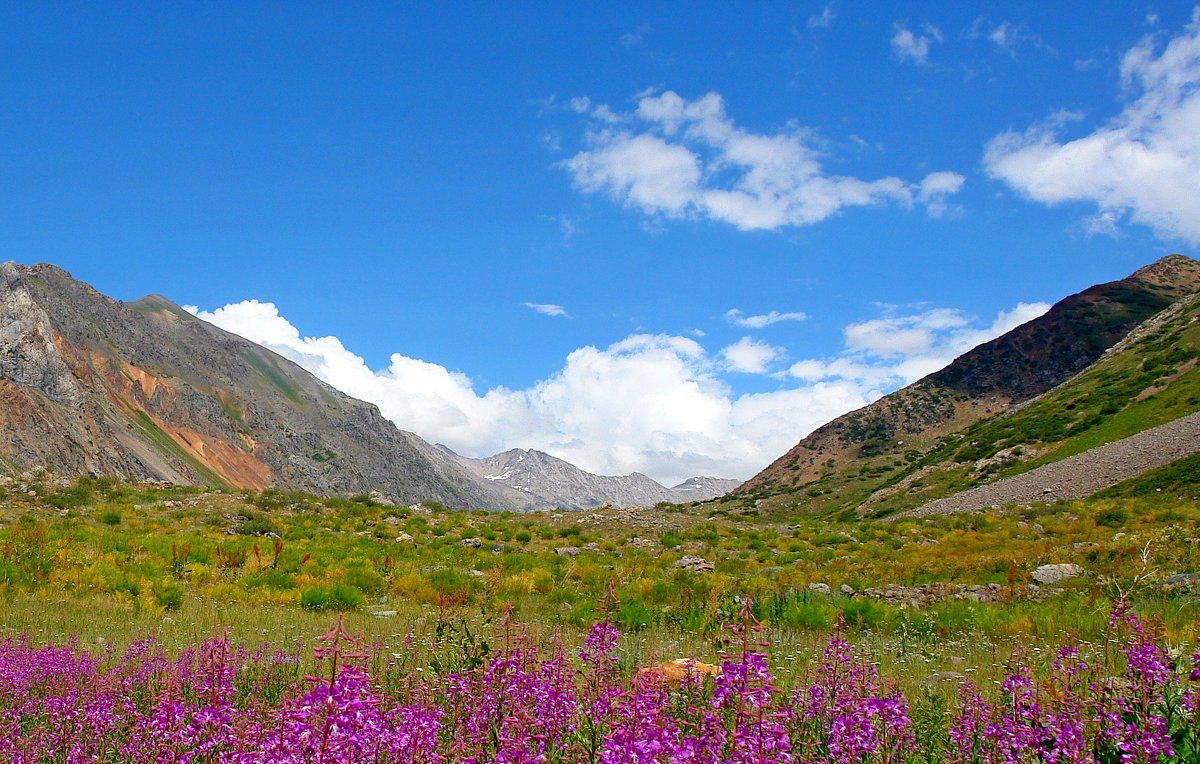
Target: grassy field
(188, 555)
(435, 593)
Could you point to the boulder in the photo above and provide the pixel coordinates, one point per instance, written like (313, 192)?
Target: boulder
(1052, 574)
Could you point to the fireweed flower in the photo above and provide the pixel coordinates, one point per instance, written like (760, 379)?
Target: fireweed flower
(218, 704)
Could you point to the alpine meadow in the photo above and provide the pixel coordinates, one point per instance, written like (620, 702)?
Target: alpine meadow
(466, 384)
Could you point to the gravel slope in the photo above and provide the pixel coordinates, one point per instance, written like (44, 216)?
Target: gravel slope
(1081, 475)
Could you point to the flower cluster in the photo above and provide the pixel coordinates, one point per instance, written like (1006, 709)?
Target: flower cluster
(526, 703)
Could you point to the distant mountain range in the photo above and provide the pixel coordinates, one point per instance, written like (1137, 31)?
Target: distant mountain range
(145, 390)
(546, 480)
(1100, 365)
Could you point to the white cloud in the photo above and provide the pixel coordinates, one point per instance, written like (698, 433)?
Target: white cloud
(936, 188)
(1143, 164)
(824, 20)
(422, 397)
(909, 45)
(653, 403)
(738, 318)
(690, 160)
(548, 309)
(750, 356)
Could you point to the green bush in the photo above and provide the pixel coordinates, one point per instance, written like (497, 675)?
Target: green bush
(863, 614)
(168, 594)
(110, 517)
(634, 615)
(1112, 517)
(251, 523)
(340, 597)
(811, 616)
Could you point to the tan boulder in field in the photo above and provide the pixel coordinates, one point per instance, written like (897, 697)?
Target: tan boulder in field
(674, 672)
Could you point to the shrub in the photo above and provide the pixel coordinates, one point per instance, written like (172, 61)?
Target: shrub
(110, 517)
(340, 597)
(1112, 517)
(168, 594)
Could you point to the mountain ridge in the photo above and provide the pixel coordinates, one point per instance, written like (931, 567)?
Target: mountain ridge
(146, 390)
(997, 376)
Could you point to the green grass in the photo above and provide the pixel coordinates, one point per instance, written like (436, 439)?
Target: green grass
(170, 569)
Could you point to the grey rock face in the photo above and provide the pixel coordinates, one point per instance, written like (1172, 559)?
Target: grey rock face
(1053, 574)
(147, 391)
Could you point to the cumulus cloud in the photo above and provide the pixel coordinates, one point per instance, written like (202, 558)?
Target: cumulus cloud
(1142, 165)
(912, 46)
(678, 158)
(738, 318)
(750, 356)
(419, 396)
(548, 309)
(654, 403)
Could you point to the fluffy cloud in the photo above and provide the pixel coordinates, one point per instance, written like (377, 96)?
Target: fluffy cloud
(738, 318)
(422, 397)
(911, 46)
(750, 356)
(548, 309)
(653, 403)
(678, 158)
(1143, 164)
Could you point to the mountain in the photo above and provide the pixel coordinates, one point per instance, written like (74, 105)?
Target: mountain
(551, 482)
(857, 459)
(145, 390)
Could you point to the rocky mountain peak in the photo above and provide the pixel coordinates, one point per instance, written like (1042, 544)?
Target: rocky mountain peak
(1172, 271)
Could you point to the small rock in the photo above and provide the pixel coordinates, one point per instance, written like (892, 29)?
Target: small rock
(568, 551)
(846, 589)
(695, 564)
(820, 588)
(378, 497)
(475, 573)
(384, 613)
(473, 543)
(1052, 574)
(403, 537)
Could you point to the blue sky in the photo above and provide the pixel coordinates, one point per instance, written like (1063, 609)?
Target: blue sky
(661, 237)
